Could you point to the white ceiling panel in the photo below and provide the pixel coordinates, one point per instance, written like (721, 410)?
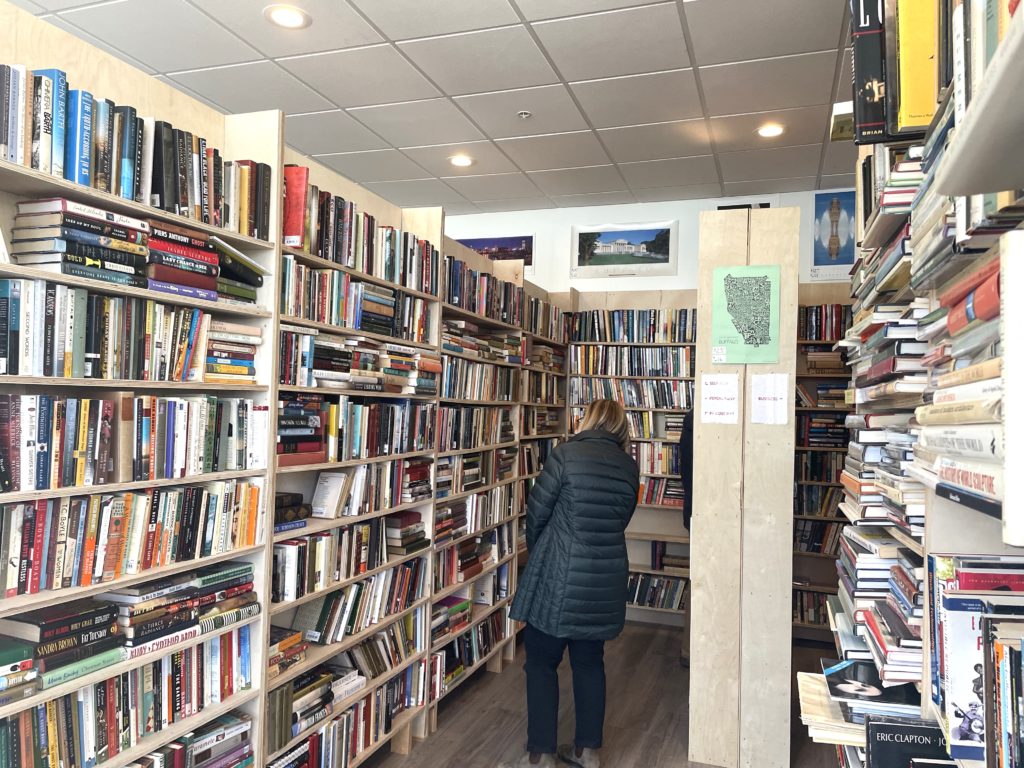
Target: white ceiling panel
(536, 10)
(335, 25)
(634, 99)
(384, 76)
(416, 193)
(769, 186)
(687, 138)
(477, 62)
(626, 42)
(502, 186)
(28, 5)
(559, 150)
(519, 204)
(123, 26)
(740, 30)
(840, 157)
(596, 198)
(779, 163)
(661, 194)
(551, 107)
(680, 172)
(460, 209)
(846, 75)
(418, 123)
(403, 19)
(805, 125)
(324, 132)
(571, 181)
(232, 88)
(67, 26)
(376, 165)
(757, 86)
(52, 5)
(487, 158)
(838, 181)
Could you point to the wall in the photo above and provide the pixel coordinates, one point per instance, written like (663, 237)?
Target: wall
(552, 231)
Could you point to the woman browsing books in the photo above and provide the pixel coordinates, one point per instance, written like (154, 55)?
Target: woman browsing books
(573, 591)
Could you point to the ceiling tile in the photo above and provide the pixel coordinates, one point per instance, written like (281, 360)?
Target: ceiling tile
(335, 25)
(415, 193)
(384, 76)
(549, 9)
(55, 5)
(775, 28)
(231, 87)
(559, 150)
(476, 62)
(551, 106)
(617, 43)
(805, 125)
(595, 198)
(376, 165)
(838, 181)
(522, 204)
(575, 181)
(637, 99)
(686, 171)
(418, 123)
(662, 194)
(756, 86)
(67, 26)
(846, 75)
(487, 158)
(769, 186)
(123, 26)
(500, 186)
(779, 163)
(188, 92)
(460, 209)
(324, 132)
(840, 157)
(28, 5)
(686, 138)
(402, 19)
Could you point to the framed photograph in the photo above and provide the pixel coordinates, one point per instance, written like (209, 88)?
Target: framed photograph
(609, 250)
(835, 224)
(503, 248)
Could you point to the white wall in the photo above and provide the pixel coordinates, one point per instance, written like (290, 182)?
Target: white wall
(552, 231)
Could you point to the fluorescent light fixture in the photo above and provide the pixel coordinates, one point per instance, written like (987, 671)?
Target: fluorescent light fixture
(287, 16)
(461, 161)
(770, 130)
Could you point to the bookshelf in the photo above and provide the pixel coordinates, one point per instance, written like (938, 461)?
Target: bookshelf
(821, 384)
(652, 376)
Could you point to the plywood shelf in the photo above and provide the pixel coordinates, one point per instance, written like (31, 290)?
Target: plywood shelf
(478, 319)
(318, 263)
(355, 332)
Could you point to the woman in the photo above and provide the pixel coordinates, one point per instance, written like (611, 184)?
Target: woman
(573, 591)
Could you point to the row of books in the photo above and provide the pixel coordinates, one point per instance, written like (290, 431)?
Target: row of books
(635, 326)
(545, 319)
(632, 393)
(546, 357)
(672, 563)
(821, 430)
(656, 458)
(308, 699)
(465, 652)
(819, 467)
(823, 322)
(810, 607)
(466, 338)
(449, 615)
(541, 421)
(667, 593)
(469, 380)
(824, 395)
(471, 426)
(660, 427)
(817, 500)
(546, 388)
(456, 475)
(462, 562)
(632, 361)
(461, 517)
(482, 293)
(533, 454)
(69, 133)
(661, 492)
(817, 536)
(818, 361)
(334, 229)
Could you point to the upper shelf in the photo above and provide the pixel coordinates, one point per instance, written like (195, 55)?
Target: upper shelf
(981, 157)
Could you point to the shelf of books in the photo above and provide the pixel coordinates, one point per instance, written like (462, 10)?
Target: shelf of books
(931, 569)
(644, 359)
(821, 383)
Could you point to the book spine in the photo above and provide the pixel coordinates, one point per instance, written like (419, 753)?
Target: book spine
(86, 666)
(78, 156)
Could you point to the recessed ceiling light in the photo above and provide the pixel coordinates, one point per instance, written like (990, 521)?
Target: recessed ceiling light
(770, 130)
(287, 16)
(461, 161)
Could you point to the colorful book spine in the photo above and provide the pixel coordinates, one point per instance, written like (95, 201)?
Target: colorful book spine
(78, 151)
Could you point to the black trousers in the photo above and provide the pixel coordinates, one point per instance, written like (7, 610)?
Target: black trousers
(543, 656)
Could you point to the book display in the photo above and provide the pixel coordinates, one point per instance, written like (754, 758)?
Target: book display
(930, 566)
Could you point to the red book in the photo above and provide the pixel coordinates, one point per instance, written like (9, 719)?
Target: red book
(296, 459)
(113, 738)
(296, 194)
(959, 290)
(982, 303)
(180, 249)
(37, 546)
(180, 277)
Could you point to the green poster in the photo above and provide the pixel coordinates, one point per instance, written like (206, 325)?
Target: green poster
(745, 315)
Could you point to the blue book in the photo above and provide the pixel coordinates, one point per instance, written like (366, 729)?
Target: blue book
(228, 361)
(126, 149)
(14, 330)
(43, 443)
(78, 146)
(60, 117)
(245, 656)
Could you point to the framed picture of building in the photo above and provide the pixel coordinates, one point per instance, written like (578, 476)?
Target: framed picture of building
(503, 248)
(610, 250)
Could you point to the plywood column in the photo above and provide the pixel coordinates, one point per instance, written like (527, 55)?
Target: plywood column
(741, 537)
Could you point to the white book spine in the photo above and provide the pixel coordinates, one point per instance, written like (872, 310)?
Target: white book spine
(1011, 254)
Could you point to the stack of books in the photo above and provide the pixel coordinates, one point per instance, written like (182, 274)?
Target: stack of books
(406, 534)
(467, 338)
(360, 364)
(301, 429)
(449, 615)
(548, 358)
(286, 649)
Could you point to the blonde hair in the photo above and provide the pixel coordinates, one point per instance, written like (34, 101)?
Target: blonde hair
(609, 416)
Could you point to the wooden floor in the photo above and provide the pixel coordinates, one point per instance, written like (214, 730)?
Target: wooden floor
(484, 721)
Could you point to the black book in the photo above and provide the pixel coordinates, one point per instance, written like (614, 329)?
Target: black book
(163, 191)
(970, 500)
(868, 72)
(54, 248)
(140, 138)
(182, 162)
(263, 174)
(895, 741)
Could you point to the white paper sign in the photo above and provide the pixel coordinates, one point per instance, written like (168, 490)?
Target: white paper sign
(769, 398)
(719, 398)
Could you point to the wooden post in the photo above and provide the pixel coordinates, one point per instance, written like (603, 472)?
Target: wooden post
(741, 537)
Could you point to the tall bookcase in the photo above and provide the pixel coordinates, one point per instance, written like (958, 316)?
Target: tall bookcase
(638, 367)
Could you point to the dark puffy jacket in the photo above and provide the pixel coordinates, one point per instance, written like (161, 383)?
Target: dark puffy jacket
(574, 584)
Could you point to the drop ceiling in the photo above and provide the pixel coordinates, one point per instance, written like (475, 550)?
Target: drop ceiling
(629, 101)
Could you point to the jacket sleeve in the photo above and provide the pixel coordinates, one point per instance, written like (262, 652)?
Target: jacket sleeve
(543, 497)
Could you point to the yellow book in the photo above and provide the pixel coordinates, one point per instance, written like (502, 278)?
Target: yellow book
(243, 199)
(916, 25)
(52, 737)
